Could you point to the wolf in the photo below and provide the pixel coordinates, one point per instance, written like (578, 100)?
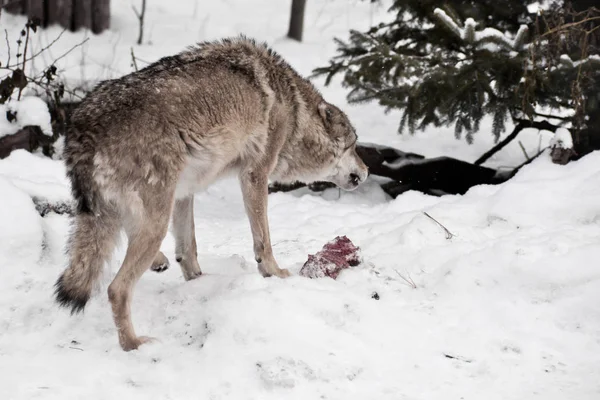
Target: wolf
(139, 147)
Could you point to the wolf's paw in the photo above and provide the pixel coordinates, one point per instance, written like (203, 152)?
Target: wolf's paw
(160, 264)
(134, 343)
(273, 271)
(282, 273)
(188, 276)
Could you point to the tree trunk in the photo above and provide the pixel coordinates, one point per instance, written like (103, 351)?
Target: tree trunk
(297, 20)
(60, 12)
(13, 7)
(71, 14)
(100, 15)
(82, 14)
(35, 9)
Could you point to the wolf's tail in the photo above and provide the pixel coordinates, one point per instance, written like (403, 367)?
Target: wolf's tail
(91, 244)
(94, 235)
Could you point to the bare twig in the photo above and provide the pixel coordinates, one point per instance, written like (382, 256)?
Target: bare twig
(43, 49)
(140, 16)
(569, 25)
(408, 281)
(523, 150)
(133, 60)
(449, 235)
(24, 58)
(19, 42)
(7, 46)
(459, 358)
(516, 169)
(45, 86)
(521, 124)
(71, 49)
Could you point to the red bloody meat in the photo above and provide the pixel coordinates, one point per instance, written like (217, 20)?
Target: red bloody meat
(335, 256)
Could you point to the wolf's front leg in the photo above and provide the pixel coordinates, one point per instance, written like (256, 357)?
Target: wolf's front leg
(254, 184)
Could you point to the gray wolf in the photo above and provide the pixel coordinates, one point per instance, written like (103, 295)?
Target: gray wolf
(140, 146)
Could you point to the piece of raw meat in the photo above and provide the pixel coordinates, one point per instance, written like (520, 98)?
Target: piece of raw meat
(335, 256)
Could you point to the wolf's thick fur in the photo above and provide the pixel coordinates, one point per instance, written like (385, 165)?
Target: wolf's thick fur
(139, 147)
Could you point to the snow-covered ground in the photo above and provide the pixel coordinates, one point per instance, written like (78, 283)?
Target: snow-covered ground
(507, 308)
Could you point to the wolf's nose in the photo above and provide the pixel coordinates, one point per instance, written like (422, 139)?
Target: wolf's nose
(354, 179)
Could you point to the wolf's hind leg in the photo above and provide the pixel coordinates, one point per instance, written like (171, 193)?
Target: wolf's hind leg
(145, 237)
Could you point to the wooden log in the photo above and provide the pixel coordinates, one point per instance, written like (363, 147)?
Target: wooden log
(29, 138)
(100, 15)
(410, 171)
(441, 174)
(60, 12)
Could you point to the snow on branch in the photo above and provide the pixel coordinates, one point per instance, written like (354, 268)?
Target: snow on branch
(562, 139)
(449, 22)
(566, 61)
(29, 111)
(488, 35)
(561, 147)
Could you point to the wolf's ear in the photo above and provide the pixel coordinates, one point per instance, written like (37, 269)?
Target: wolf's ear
(325, 112)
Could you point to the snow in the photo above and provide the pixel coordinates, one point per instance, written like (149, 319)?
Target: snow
(21, 229)
(567, 62)
(29, 111)
(483, 37)
(504, 309)
(562, 138)
(511, 297)
(37, 176)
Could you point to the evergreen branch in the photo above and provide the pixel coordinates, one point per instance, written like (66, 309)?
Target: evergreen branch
(521, 37)
(448, 22)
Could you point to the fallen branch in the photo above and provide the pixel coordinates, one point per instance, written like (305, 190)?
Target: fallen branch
(449, 235)
(521, 124)
(408, 281)
(409, 171)
(459, 358)
(133, 61)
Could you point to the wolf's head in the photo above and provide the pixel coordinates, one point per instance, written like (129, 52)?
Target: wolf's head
(342, 165)
(323, 148)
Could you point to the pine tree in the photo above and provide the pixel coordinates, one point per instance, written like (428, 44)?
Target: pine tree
(455, 62)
